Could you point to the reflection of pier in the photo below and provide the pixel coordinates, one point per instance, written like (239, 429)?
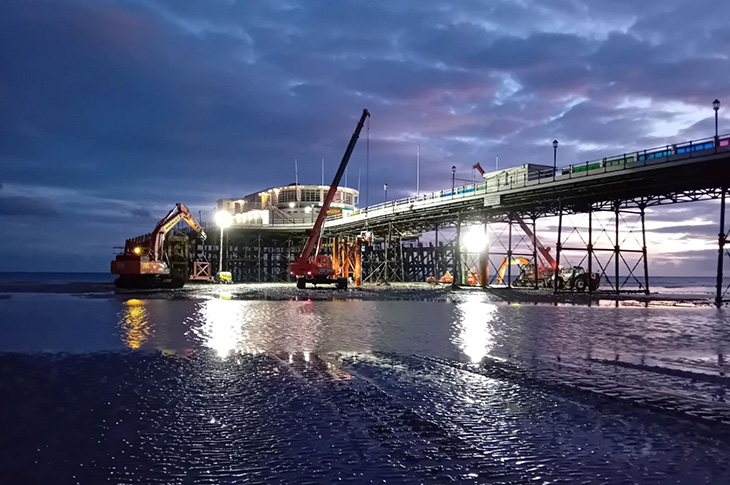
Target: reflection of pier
(600, 207)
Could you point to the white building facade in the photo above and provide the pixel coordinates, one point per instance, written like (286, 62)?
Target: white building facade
(298, 204)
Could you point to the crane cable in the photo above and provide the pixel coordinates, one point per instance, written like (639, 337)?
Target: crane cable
(367, 170)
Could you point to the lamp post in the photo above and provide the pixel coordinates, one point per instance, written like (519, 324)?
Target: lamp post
(418, 170)
(716, 107)
(223, 219)
(555, 157)
(385, 192)
(453, 179)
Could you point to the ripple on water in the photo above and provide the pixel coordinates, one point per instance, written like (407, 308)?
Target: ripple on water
(144, 417)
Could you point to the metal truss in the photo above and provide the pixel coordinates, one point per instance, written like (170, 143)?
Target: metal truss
(613, 245)
(662, 199)
(253, 256)
(384, 259)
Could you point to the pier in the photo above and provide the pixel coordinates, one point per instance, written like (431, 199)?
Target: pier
(612, 193)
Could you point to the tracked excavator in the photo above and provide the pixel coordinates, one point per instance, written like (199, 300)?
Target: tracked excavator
(158, 259)
(312, 267)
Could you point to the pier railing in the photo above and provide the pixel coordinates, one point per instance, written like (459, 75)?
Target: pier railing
(625, 161)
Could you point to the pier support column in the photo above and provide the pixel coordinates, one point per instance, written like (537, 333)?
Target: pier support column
(436, 271)
(534, 251)
(590, 246)
(336, 257)
(617, 251)
(558, 246)
(358, 262)
(259, 261)
(457, 253)
(509, 252)
(721, 241)
(484, 258)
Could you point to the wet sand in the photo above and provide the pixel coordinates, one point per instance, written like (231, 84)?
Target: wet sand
(264, 383)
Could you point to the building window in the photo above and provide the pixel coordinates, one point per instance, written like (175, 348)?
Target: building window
(310, 195)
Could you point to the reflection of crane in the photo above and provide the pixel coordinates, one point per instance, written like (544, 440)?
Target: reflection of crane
(157, 259)
(317, 268)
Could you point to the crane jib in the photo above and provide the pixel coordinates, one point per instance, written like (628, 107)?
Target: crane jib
(317, 228)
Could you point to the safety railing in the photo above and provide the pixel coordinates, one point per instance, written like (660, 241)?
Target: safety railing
(626, 161)
(497, 184)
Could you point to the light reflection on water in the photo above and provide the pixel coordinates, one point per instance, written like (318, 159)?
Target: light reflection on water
(134, 323)
(467, 329)
(474, 323)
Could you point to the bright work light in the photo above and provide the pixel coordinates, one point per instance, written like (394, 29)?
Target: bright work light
(473, 239)
(223, 219)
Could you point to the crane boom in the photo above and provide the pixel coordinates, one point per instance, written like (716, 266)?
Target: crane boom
(317, 268)
(316, 231)
(545, 252)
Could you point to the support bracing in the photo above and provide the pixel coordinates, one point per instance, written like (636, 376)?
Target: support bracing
(645, 256)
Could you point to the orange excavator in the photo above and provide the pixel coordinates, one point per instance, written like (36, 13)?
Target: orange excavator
(522, 262)
(157, 259)
(317, 268)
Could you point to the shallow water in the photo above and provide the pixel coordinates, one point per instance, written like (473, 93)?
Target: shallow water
(466, 329)
(217, 390)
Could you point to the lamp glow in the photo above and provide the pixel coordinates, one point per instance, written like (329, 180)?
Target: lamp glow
(474, 240)
(223, 219)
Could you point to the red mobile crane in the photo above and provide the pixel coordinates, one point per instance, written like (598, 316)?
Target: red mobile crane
(157, 260)
(317, 268)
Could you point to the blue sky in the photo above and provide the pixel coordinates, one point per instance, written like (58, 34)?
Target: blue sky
(112, 111)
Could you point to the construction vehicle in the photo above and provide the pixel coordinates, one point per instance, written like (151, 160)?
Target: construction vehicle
(312, 267)
(544, 275)
(158, 259)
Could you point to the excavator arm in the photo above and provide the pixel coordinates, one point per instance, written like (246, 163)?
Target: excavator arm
(505, 263)
(153, 242)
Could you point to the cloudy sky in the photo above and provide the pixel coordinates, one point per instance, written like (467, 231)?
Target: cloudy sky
(112, 111)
